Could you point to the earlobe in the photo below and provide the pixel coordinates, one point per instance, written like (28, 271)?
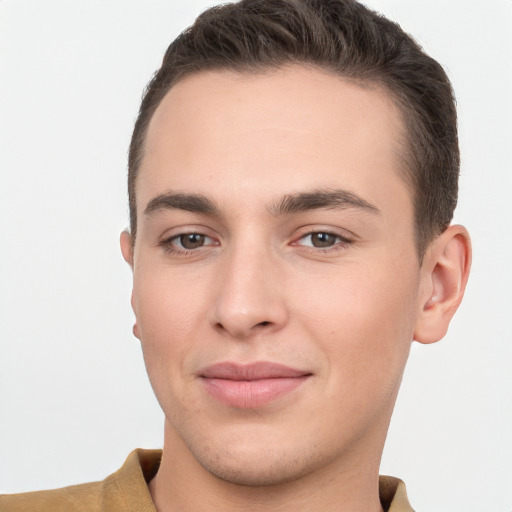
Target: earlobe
(126, 247)
(445, 272)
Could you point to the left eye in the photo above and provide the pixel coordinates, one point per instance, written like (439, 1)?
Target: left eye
(321, 240)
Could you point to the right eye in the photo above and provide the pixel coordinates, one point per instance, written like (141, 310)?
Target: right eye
(187, 242)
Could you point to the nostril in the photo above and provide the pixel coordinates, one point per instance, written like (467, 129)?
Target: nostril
(263, 324)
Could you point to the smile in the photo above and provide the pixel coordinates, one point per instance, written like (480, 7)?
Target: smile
(252, 385)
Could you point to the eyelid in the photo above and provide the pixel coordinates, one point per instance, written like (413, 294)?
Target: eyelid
(181, 235)
(342, 233)
(185, 229)
(344, 240)
(166, 240)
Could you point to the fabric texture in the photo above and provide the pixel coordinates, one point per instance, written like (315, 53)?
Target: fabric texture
(127, 491)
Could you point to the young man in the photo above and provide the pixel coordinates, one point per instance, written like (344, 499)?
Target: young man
(292, 178)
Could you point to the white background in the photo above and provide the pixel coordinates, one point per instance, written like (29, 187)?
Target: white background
(74, 396)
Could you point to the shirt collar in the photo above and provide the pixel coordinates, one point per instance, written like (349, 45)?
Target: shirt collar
(127, 489)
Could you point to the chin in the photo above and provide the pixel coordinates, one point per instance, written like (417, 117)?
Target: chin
(254, 471)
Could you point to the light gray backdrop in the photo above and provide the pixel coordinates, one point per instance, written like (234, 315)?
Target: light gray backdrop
(74, 397)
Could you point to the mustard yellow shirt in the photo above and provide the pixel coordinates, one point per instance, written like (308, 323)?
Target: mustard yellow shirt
(127, 491)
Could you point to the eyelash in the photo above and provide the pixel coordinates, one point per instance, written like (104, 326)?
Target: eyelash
(340, 245)
(170, 248)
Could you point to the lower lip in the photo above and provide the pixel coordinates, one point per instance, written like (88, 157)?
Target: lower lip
(250, 394)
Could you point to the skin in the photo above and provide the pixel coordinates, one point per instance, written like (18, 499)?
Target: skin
(258, 287)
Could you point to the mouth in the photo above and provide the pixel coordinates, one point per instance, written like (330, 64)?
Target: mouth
(249, 386)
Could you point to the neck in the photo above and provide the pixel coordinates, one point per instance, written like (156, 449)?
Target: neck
(182, 484)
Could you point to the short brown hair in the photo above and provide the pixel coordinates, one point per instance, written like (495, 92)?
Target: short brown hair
(340, 36)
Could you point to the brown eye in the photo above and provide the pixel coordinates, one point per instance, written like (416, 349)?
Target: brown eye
(187, 244)
(191, 240)
(323, 239)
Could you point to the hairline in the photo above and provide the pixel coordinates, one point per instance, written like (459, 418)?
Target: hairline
(405, 156)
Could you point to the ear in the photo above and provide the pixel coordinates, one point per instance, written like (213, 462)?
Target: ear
(444, 274)
(126, 247)
(127, 250)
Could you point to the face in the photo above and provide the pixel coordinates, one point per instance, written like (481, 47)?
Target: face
(276, 280)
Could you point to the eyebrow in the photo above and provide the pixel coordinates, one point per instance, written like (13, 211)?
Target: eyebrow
(331, 199)
(195, 203)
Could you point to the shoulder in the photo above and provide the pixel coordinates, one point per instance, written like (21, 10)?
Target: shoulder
(126, 489)
(76, 498)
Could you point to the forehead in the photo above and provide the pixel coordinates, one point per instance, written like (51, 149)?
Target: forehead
(274, 132)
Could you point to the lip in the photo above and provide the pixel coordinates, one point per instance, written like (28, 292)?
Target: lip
(249, 386)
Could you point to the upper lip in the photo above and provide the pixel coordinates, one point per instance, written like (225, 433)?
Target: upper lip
(252, 371)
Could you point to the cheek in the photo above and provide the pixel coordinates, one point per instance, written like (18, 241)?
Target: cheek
(364, 323)
(167, 315)
(165, 306)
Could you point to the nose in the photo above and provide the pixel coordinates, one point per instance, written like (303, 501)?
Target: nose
(249, 296)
